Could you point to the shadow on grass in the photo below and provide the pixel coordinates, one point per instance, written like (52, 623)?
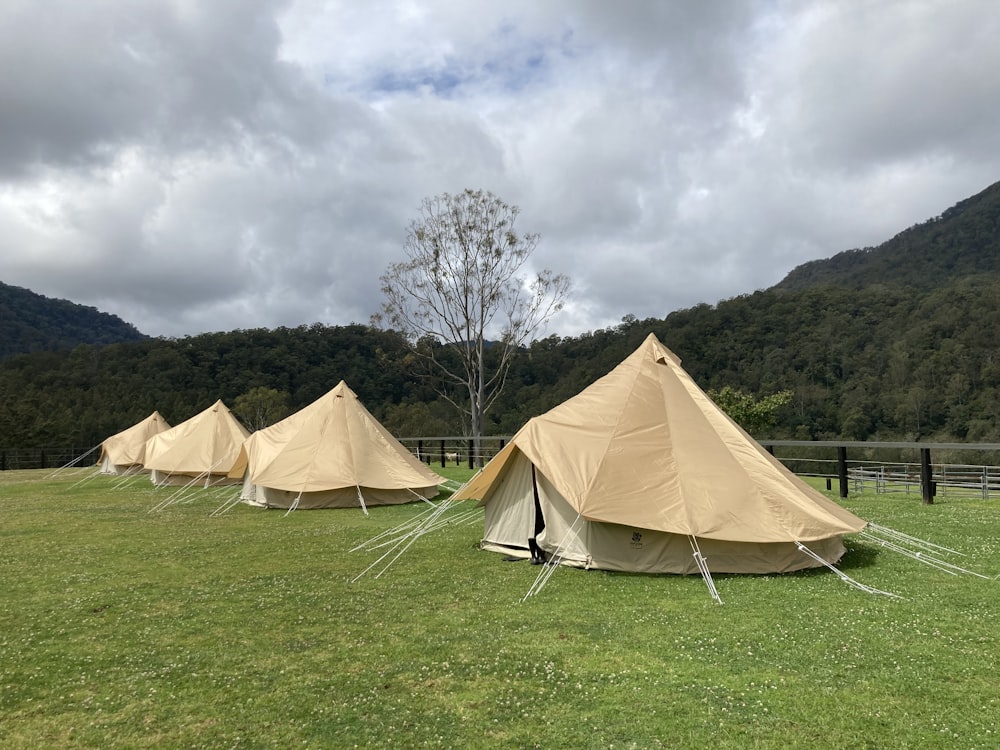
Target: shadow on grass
(859, 555)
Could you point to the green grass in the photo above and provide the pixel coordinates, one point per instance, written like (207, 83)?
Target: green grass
(121, 628)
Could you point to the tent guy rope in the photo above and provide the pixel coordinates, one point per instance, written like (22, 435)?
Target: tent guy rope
(406, 539)
(702, 564)
(74, 462)
(897, 542)
(842, 575)
(549, 567)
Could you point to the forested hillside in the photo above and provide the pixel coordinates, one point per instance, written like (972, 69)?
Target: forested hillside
(31, 322)
(867, 345)
(964, 241)
(79, 397)
(875, 363)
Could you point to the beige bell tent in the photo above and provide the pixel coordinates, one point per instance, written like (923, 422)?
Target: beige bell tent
(331, 454)
(125, 452)
(205, 447)
(642, 472)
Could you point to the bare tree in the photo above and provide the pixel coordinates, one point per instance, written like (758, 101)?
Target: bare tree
(459, 299)
(260, 407)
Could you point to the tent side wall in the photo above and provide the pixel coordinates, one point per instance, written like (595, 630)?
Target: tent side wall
(509, 509)
(624, 548)
(509, 522)
(565, 532)
(106, 467)
(166, 478)
(343, 497)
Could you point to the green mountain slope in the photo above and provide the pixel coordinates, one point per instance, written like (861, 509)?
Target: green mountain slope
(31, 322)
(963, 241)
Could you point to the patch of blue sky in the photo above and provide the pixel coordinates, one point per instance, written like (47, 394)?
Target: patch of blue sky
(517, 64)
(443, 82)
(516, 75)
(510, 73)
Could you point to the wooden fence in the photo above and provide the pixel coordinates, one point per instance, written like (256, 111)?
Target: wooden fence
(946, 479)
(854, 465)
(44, 458)
(911, 468)
(455, 451)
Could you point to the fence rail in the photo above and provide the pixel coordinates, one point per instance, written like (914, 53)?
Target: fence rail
(43, 458)
(947, 479)
(870, 466)
(455, 450)
(897, 474)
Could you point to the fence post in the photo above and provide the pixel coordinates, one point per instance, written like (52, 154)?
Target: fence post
(842, 469)
(926, 477)
(442, 454)
(471, 457)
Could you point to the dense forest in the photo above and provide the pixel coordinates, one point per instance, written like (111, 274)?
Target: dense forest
(878, 353)
(875, 363)
(31, 322)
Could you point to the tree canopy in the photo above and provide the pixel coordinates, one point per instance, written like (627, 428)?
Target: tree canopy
(459, 298)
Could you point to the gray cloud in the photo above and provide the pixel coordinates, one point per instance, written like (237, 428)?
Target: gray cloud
(234, 165)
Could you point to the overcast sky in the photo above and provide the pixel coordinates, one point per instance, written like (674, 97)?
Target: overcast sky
(204, 166)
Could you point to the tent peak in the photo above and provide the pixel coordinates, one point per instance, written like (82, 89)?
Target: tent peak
(341, 388)
(660, 353)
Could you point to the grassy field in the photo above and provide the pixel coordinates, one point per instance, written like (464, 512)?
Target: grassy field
(124, 628)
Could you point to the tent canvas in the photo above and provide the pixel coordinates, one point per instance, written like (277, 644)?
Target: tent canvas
(125, 451)
(205, 447)
(331, 454)
(639, 471)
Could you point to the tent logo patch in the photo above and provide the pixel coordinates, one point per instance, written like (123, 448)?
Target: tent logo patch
(636, 540)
